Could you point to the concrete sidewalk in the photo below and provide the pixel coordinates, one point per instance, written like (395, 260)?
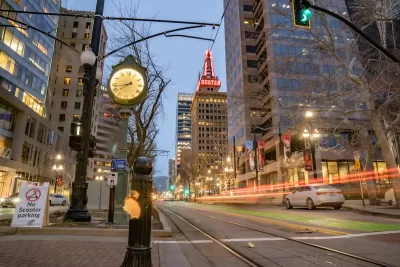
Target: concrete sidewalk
(381, 210)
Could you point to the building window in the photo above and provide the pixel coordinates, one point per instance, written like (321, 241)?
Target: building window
(72, 45)
(14, 43)
(80, 81)
(61, 117)
(79, 93)
(248, 8)
(64, 104)
(76, 118)
(68, 68)
(26, 149)
(30, 127)
(65, 92)
(84, 47)
(73, 35)
(86, 36)
(77, 105)
(76, 23)
(88, 25)
(67, 80)
(61, 129)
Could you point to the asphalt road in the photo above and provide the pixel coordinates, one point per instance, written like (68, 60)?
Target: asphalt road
(7, 213)
(266, 228)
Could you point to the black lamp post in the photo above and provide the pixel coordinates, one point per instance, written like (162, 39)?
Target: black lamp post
(57, 169)
(78, 210)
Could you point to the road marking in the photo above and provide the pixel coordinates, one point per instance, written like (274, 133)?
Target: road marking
(274, 238)
(253, 239)
(286, 224)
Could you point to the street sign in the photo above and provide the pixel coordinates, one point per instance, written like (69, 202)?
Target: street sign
(32, 207)
(112, 179)
(119, 164)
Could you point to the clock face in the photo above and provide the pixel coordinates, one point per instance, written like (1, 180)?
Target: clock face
(127, 84)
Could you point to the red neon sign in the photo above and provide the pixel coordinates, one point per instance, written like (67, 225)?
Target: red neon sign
(210, 82)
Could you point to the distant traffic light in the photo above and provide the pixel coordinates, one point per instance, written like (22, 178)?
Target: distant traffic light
(302, 13)
(186, 191)
(172, 187)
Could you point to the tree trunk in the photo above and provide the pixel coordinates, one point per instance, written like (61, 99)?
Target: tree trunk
(371, 184)
(385, 148)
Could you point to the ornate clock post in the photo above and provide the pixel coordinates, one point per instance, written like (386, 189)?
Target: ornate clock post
(128, 87)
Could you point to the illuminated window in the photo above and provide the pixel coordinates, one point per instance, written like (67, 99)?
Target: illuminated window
(7, 63)
(65, 92)
(67, 80)
(85, 46)
(79, 93)
(86, 36)
(88, 25)
(68, 68)
(80, 81)
(14, 43)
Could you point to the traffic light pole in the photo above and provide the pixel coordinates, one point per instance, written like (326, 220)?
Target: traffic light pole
(357, 30)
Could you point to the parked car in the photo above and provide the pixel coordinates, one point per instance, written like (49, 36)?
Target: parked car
(316, 195)
(10, 202)
(57, 199)
(389, 197)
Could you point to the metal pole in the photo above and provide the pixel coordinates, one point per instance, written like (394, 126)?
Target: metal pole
(111, 205)
(314, 163)
(255, 147)
(362, 193)
(55, 184)
(101, 187)
(138, 253)
(78, 210)
(123, 177)
(234, 157)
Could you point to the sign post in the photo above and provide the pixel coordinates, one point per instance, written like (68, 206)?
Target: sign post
(32, 208)
(112, 180)
(358, 167)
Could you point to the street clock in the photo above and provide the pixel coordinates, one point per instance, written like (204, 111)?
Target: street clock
(128, 82)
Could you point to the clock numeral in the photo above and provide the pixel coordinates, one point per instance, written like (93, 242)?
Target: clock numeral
(129, 73)
(114, 84)
(138, 91)
(122, 74)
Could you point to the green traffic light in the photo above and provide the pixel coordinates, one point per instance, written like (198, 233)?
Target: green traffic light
(307, 14)
(172, 187)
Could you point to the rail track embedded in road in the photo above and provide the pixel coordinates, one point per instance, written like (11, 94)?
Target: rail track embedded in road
(233, 251)
(377, 263)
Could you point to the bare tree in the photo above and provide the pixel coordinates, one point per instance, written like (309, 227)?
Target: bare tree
(142, 124)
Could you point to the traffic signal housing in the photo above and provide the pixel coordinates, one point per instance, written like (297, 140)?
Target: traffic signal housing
(302, 13)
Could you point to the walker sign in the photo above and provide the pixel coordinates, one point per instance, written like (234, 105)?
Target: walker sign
(32, 209)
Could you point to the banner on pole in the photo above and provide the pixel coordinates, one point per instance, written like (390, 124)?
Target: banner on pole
(286, 146)
(308, 160)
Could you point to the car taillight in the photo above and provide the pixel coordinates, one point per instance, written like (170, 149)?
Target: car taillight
(322, 193)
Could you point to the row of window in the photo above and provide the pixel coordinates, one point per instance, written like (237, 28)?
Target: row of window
(22, 74)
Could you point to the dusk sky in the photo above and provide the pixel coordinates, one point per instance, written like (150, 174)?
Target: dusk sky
(183, 57)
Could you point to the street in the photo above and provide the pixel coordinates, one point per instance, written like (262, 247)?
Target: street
(275, 232)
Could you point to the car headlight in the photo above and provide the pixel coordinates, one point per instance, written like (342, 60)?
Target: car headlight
(16, 200)
(2, 200)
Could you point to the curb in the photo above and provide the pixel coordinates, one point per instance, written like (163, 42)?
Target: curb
(369, 212)
(163, 221)
(77, 231)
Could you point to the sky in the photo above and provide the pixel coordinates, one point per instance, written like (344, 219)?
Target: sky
(183, 58)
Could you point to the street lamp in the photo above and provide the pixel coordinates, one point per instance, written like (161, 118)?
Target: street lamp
(209, 179)
(57, 168)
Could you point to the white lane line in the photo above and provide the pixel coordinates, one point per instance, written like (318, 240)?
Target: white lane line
(275, 238)
(182, 242)
(252, 239)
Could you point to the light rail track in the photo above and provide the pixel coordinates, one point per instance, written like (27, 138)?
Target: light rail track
(250, 262)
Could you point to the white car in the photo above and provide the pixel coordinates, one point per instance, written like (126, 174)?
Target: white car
(10, 202)
(57, 199)
(312, 196)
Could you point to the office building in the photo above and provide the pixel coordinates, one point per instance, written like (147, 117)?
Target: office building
(171, 171)
(271, 65)
(66, 91)
(183, 126)
(209, 120)
(29, 142)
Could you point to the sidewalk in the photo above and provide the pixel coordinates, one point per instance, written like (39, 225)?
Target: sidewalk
(381, 210)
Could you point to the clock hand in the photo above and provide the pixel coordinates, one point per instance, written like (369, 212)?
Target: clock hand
(123, 84)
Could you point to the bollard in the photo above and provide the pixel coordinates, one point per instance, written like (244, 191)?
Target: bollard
(139, 206)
